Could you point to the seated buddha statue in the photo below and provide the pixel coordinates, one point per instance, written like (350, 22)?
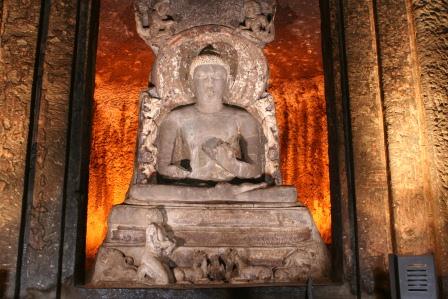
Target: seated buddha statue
(209, 151)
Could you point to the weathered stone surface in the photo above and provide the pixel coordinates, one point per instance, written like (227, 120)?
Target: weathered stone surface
(256, 194)
(112, 265)
(43, 220)
(280, 241)
(157, 21)
(390, 54)
(405, 131)
(18, 36)
(431, 19)
(369, 157)
(193, 146)
(201, 225)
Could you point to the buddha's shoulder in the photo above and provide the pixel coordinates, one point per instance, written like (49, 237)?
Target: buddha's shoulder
(180, 113)
(239, 114)
(235, 111)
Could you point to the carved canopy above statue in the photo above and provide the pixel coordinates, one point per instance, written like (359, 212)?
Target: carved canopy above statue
(158, 20)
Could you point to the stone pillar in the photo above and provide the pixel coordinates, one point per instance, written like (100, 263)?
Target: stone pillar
(431, 48)
(369, 155)
(396, 76)
(405, 129)
(46, 162)
(43, 216)
(18, 35)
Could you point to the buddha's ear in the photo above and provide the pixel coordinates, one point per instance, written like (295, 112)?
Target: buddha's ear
(229, 82)
(226, 95)
(192, 86)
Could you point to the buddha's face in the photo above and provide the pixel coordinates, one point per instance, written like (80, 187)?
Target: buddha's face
(209, 82)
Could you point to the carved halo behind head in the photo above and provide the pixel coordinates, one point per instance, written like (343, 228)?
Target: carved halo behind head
(246, 64)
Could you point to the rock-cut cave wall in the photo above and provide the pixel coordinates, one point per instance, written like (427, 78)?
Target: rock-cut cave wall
(396, 54)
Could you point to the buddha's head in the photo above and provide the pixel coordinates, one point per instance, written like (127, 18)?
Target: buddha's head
(210, 76)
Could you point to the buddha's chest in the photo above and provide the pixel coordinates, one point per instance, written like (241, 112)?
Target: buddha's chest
(197, 131)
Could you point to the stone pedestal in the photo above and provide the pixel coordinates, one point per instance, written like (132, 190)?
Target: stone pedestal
(262, 244)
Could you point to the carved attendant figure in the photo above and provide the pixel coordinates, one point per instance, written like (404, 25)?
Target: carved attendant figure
(161, 24)
(157, 245)
(256, 24)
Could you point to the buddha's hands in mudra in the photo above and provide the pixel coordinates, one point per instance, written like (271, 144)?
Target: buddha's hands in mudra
(220, 151)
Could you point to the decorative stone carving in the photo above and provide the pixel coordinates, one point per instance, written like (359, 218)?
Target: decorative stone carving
(154, 21)
(197, 273)
(112, 265)
(258, 24)
(158, 20)
(150, 107)
(264, 108)
(283, 240)
(246, 63)
(152, 270)
(293, 267)
(207, 168)
(249, 273)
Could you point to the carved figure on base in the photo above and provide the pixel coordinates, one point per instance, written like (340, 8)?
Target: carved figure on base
(161, 22)
(230, 266)
(195, 274)
(293, 267)
(112, 265)
(247, 272)
(152, 269)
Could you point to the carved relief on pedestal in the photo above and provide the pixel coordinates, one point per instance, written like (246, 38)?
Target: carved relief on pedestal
(158, 246)
(197, 273)
(151, 263)
(112, 265)
(184, 245)
(250, 273)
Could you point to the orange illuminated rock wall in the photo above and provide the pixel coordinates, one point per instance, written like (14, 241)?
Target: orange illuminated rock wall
(122, 69)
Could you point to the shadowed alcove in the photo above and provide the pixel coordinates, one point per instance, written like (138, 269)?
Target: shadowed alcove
(296, 82)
